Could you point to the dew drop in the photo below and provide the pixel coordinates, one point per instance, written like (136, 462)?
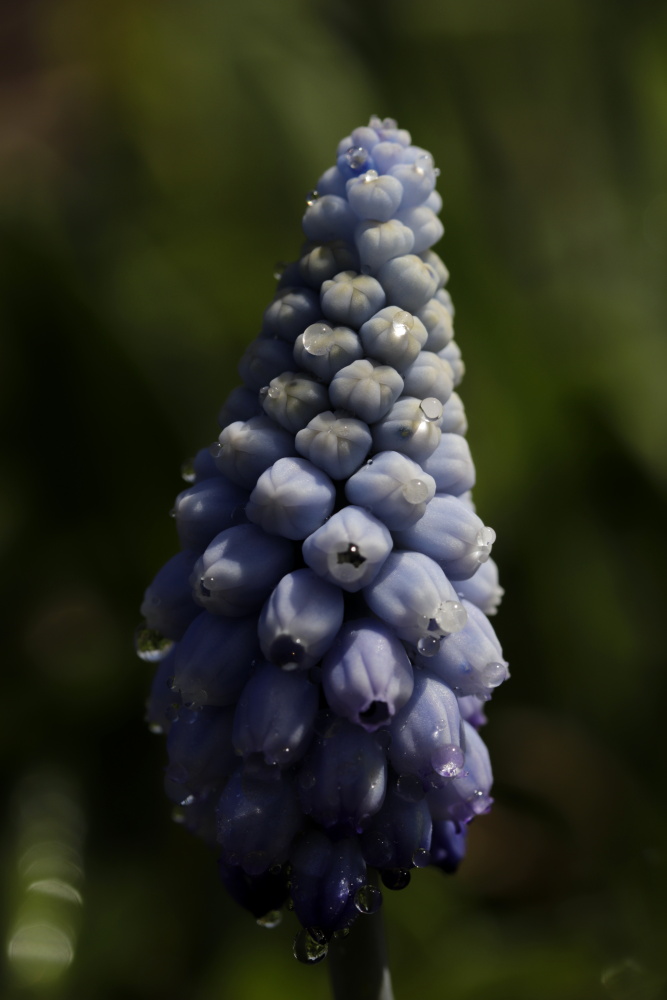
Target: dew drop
(274, 392)
(278, 271)
(188, 471)
(215, 450)
(356, 157)
(271, 919)
(421, 858)
(428, 645)
(416, 491)
(308, 948)
(395, 878)
(311, 198)
(451, 616)
(317, 339)
(448, 760)
(431, 408)
(494, 674)
(480, 803)
(368, 899)
(370, 176)
(150, 645)
(402, 323)
(341, 934)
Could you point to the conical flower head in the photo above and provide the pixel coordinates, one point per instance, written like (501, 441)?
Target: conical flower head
(323, 647)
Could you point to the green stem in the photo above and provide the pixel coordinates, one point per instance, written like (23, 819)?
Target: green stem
(358, 964)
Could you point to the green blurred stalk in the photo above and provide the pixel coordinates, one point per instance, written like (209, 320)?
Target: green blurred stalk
(358, 964)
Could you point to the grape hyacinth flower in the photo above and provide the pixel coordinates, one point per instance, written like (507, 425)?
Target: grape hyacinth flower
(323, 643)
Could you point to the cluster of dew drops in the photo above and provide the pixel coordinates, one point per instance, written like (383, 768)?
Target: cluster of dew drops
(328, 612)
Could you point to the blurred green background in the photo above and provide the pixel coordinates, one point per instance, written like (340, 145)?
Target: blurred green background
(156, 155)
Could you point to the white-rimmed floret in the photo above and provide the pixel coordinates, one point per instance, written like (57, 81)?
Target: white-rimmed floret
(350, 299)
(335, 442)
(292, 400)
(378, 242)
(393, 488)
(292, 498)
(349, 549)
(408, 282)
(374, 196)
(366, 388)
(393, 337)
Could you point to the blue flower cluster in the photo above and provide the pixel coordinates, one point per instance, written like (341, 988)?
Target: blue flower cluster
(323, 636)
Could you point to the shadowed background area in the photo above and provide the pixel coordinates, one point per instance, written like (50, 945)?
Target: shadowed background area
(155, 163)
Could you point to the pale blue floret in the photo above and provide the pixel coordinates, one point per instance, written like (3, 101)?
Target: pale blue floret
(425, 225)
(322, 261)
(292, 498)
(466, 795)
(412, 595)
(342, 780)
(374, 196)
(349, 549)
(408, 282)
(258, 816)
(482, 588)
(263, 360)
(365, 388)
(417, 180)
(290, 312)
(378, 242)
(350, 299)
(438, 322)
(329, 218)
(331, 181)
(428, 375)
(246, 448)
(366, 675)
(300, 620)
(452, 354)
(451, 465)
(393, 487)
(471, 661)
(335, 442)
(393, 337)
(205, 509)
(411, 426)
(454, 420)
(388, 154)
(239, 569)
(214, 658)
(451, 534)
(275, 715)
(426, 734)
(292, 400)
(440, 268)
(323, 350)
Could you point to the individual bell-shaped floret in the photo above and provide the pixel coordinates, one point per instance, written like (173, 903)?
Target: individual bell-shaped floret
(291, 311)
(351, 299)
(326, 876)
(393, 487)
(214, 658)
(453, 420)
(452, 534)
(426, 733)
(200, 751)
(323, 350)
(365, 388)
(408, 282)
(448, 845)
(451, 465)
(411, 426)
(374, 196)
(275, 715)
(292, 498)
(241, 404)
(349, 549)
(263, 360)
(428, 375)
(332, 181)
(452, 354)
(366, 675)
(207, 508)
(482, 588)
(334, 442)
(247, 448)
(471, 661)
(354, 158)
(300, 620)
(399, 835)
(342, 779)
(239, 569)
(467, 794)
(394, 337)
(417, 180)
(167, 605)
(388, 154)
(260, 894)
(412, 595)
(425, 225)
(328, 217)
(378, 242)
(321, 262)
(438, 322)
(292, 400)
(258, 816)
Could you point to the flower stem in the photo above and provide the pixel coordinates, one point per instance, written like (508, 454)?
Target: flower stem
(358, 964)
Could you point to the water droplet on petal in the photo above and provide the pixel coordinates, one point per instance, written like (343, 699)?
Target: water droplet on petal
(416, 491)
(370, 176)
(188, 471)
(428, 645)
(448, 760)
(451, 616)
(317, 339)
(215, 450)
(395, 878)
(271, 919)
(341, 934)
(368, 899)
(494, 674)
(311, 198)
(308, 948)
(431, 408)
(150, 645)
(421, 858)
(356, 157)
(480, 803)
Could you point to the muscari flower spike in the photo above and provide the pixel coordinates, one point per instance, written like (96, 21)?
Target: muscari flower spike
(322, 638)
